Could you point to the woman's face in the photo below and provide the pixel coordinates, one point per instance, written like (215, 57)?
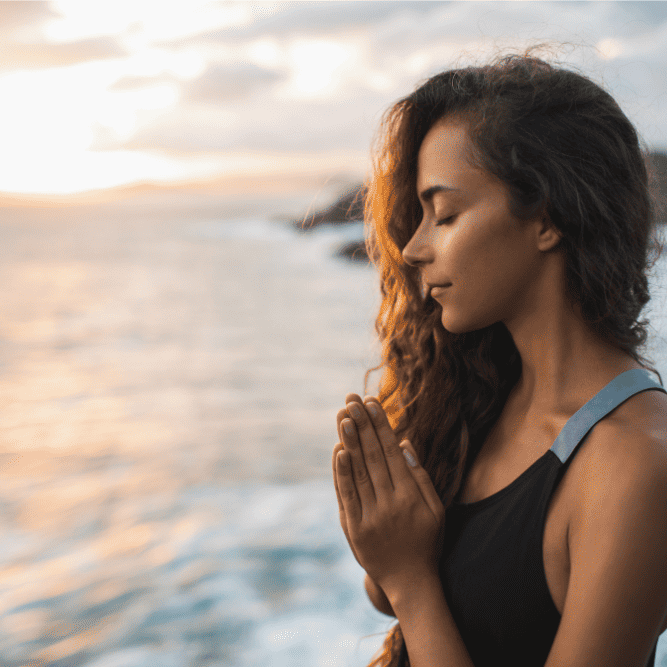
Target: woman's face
(469, 238)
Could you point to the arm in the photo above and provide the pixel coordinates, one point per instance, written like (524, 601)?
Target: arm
(428, 628)
(617, 595)
(377, 597)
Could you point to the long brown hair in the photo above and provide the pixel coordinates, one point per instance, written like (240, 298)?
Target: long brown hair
(555, 138)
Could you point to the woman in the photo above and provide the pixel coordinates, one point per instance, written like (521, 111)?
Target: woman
(532, 528)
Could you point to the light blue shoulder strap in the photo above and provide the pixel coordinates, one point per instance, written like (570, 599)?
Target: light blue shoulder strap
(607, 399)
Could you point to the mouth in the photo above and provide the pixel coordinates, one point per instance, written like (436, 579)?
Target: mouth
(437, 290)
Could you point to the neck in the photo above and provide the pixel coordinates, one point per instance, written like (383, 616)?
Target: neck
(563, 363)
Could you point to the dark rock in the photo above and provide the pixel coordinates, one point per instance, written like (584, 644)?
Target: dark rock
(354, 251)
(349, 207)
(657, 171)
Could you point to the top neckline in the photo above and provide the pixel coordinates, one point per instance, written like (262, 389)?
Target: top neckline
(536, 465)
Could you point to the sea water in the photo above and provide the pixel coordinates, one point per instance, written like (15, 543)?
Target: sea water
(170, 392)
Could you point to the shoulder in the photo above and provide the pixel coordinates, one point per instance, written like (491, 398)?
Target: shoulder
(634, 434)
(617, 540)
(627, 447)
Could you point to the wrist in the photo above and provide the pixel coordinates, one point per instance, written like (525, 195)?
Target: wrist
(410, 584)
(377, 597)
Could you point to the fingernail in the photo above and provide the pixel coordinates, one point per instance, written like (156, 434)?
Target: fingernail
(409, 458)
(349, 429)
(372, 408)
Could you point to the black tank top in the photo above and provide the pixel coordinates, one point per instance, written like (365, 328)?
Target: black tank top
(492, 569)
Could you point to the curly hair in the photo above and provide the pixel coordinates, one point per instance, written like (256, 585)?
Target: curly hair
(556, 139)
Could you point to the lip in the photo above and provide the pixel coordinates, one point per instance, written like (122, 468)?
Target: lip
(437, 290)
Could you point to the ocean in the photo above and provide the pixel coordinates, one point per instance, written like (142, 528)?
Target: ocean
(169, 388)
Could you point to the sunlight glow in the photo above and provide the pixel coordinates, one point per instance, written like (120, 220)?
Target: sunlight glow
(25, 130)
(315, 64)
(185, 64)
(265, 52)
(610, 48)
(54, 116)
(53, 120)
(67, 172)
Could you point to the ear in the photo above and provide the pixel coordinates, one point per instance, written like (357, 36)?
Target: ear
(548, 236)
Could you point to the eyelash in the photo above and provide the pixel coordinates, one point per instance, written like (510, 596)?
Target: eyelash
(444, 220)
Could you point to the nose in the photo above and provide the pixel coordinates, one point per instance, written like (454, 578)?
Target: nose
(409, 258)
(416, 252)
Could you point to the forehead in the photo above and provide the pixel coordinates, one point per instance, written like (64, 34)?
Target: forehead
(444, 156)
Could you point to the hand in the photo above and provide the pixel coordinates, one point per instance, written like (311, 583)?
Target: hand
(390, 512)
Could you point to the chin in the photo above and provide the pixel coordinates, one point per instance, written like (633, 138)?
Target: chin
(461, 327)
(455, 327)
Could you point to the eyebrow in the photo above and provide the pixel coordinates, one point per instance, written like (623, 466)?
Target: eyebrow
(427, 194)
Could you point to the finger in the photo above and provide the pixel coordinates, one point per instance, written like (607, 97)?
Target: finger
(341, 509)
(337, 448)
(340, 415)
(372, 450)
(359, 470)
(388, 440)
(360, 473)
(348, 491)
(343, 413)
(423, 480)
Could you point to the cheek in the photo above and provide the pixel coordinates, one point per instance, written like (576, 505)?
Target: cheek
(497, 258)
(487, 277)
(479, 263)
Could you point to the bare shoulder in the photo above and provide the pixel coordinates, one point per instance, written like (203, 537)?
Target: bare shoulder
(634, 434)
(640, 419)
(629, 445)
(649, 405)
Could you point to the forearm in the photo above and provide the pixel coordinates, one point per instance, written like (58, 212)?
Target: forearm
(377, 597)
(428, 628)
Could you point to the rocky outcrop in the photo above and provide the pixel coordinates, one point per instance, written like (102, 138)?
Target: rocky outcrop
(349, 207)
(354, 251)
(658, 183)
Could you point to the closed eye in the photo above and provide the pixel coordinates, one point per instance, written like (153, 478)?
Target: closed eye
(444, 220)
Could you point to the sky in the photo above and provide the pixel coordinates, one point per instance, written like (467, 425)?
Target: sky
(97, 94)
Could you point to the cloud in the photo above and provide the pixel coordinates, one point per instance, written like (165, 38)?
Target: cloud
(219, 84)
(23, 45)
(396, 46)
(243, 102)
(305, 77)
(314, 18)
(37, 55)
(129, 83)
(264, 124)
(19, 19)
(222, 83)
